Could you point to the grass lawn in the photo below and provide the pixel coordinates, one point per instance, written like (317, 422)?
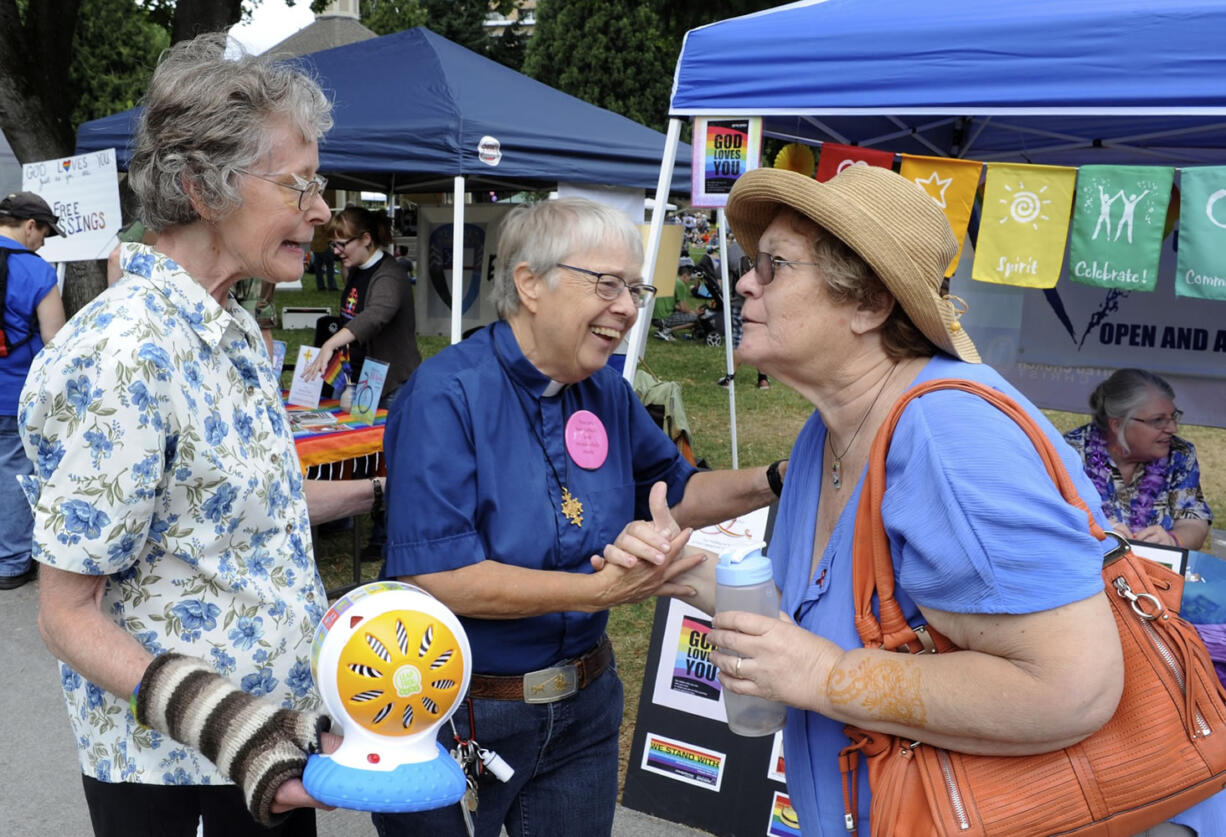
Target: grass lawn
(767, 424)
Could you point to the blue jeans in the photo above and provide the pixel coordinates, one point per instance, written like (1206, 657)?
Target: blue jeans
(565, 760)
(16, 521)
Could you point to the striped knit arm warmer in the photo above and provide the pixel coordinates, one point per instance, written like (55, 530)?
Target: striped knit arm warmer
(254, 742)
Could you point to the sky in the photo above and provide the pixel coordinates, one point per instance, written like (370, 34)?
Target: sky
(271, 23)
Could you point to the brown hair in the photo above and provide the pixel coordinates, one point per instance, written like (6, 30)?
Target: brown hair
(851, 281)
(353, 221)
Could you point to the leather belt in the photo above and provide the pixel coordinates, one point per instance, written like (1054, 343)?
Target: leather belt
(546, 685)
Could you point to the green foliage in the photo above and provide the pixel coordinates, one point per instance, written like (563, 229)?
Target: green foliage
(118, 44)
(610, 54)
(383, 17)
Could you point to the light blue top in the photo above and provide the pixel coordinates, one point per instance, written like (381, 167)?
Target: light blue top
(975, 525)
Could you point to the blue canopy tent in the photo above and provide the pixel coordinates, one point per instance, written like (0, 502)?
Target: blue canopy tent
(1045, 81)
(415, 112)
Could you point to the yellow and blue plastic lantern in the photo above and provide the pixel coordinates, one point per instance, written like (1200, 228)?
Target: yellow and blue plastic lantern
(392, 663)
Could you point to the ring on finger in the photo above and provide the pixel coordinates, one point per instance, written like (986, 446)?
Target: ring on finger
(736, 671)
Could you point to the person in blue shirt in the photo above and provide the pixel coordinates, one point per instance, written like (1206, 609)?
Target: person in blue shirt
(33, 313)
(514, 457)
(844, 304)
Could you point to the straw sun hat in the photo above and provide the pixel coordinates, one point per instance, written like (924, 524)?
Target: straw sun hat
(889, 221)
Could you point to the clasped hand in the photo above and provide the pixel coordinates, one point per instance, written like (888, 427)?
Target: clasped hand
(647, 556)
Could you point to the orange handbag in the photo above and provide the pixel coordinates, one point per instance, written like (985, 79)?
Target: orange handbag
(1163, 751)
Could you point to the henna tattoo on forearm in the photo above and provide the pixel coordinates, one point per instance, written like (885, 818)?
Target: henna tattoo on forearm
(887, 690)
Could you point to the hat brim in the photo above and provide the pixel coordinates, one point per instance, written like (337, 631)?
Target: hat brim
(841, 206)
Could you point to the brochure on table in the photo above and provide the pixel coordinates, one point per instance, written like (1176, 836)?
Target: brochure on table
(369, 388)
(304, 393)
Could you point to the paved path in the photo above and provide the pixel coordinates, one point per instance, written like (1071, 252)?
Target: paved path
(40, 794)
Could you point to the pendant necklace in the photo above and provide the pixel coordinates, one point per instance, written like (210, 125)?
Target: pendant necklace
(836, 467)
(570, 505)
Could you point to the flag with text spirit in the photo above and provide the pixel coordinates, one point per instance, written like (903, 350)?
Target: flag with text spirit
(1025, 224)
(1201, 267)
(1118, 218)
(951, 183)
(833, 158)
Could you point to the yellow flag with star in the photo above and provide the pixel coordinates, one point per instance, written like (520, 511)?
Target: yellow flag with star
(951, 183)
(1025, 222)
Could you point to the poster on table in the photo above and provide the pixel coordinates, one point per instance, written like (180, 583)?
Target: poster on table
(84, 192)
(435, 234)
(724, 148)
(682, 749)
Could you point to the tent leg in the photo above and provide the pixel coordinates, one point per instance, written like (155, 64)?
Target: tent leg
(728, 349)
(638, 334)
(457, 258)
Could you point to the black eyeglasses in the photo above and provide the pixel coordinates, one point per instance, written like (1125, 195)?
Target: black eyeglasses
(764, 265)
(306, 189)
(341, 245)
(1160, 422)
(609, 286)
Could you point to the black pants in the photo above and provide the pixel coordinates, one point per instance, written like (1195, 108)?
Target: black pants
(125, 809)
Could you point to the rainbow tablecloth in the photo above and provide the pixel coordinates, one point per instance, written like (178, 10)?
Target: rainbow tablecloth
(347, 439)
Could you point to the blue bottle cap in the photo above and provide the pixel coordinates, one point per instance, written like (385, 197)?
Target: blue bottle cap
(743, 567)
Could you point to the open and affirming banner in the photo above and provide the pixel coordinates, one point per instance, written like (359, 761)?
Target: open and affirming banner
(723, 150)
(1025, 224)
(1201, 268)
(1118, 220)
(952, 184)
(834, 158)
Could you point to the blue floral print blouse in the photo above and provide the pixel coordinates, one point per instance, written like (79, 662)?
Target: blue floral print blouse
(164, 461)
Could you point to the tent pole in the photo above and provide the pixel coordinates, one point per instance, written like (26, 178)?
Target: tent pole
(728, 349)
(457, 257)
(638, 335)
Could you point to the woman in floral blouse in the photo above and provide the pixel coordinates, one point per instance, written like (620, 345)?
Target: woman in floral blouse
(1147, 477)
(178, 587)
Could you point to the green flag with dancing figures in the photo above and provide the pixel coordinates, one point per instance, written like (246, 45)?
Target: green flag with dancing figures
(1201, 266)
(1118, 217)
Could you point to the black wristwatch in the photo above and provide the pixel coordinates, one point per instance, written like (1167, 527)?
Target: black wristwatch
(377, 505)
(772, 477)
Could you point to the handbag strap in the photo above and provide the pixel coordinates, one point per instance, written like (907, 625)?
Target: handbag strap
(872, 565)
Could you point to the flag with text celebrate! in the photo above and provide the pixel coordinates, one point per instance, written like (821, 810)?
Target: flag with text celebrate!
(1025, 224)
(835, 157)
(1118, 219)
(951, 183)
(1201, 267)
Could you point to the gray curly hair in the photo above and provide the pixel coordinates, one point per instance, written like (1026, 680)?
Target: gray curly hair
(1121, 395)
(543, 234)
(205, 118)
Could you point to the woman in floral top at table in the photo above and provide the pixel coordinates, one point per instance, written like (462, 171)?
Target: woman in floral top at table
(1147, 477)
(178, 587)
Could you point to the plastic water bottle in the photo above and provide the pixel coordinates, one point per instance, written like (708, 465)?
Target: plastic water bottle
(743, 581)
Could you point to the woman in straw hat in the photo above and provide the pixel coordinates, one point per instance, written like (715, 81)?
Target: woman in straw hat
(844, 304)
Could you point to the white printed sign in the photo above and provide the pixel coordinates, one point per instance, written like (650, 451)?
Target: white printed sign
(84, 192)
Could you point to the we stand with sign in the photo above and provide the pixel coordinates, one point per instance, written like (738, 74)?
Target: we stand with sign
(84, 192)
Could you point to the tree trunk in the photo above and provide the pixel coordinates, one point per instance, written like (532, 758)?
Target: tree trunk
(35, 100)
(82, 282)
(193, 17)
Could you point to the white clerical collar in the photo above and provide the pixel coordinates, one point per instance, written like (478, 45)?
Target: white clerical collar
(374, 259)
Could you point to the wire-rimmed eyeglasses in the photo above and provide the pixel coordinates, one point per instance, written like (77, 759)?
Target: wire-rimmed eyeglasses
(609, 286)
(764, 265)
(306, 189)
(1160, 422)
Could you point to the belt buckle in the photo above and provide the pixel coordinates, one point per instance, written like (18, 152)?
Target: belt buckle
(547, 685)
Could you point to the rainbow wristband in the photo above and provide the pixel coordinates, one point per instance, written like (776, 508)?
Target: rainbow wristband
(1176, 539)
(132, 703)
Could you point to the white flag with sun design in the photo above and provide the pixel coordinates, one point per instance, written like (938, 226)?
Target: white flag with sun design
(1025, 224)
